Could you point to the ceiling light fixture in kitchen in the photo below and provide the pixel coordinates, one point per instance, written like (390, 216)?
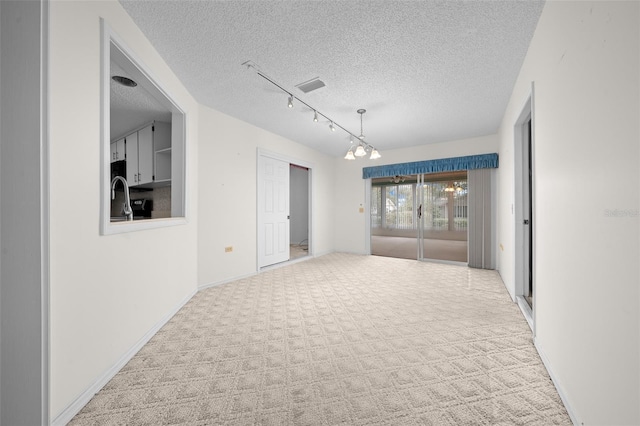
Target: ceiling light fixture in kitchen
(125, 81)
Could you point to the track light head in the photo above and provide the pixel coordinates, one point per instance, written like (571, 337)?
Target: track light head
(290, 104)
(315, 116)
(332, 127)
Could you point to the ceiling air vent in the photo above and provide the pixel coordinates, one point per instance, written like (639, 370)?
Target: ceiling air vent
(313, 84)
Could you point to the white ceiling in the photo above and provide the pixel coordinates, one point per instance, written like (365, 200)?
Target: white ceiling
(426, 71)
(132, 107)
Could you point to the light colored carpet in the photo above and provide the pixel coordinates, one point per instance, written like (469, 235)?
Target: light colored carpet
(339, 339)
(407, 248)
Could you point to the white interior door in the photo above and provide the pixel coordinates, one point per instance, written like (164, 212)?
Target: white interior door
(273, 211)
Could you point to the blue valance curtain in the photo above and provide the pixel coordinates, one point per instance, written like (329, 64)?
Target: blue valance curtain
(470, 162)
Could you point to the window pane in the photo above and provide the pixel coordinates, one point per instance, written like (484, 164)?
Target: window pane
(460, 206)
(376, 207)
(399, 206)
(435, 213)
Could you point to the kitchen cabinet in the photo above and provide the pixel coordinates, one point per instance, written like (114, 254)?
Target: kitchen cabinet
(139, 147)
(117, 150)
(148, 155)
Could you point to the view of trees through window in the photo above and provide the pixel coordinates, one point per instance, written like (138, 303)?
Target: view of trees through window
(395, 206)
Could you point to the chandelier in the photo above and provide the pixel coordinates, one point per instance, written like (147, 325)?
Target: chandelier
(362, 147)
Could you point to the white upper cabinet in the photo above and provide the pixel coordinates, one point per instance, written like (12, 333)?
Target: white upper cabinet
(145, 156)
(148, 152)
(131, 142)
(117, 150)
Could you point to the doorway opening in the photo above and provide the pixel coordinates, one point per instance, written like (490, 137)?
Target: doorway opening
(420, 217)
(524, 208)
(299, 209)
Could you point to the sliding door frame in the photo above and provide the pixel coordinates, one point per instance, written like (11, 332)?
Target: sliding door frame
(420, 223)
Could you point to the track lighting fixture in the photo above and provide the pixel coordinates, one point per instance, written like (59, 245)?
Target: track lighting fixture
(362, 148)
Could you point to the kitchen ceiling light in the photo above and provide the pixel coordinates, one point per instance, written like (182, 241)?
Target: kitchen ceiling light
(375, 154)
(331, 126)
(290, 104)
(315, 116)
(360, 151)
(125, 81)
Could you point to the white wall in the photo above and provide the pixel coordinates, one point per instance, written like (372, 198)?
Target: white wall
(350, 226)
(584, 61)
(227, 195)
(106, 291)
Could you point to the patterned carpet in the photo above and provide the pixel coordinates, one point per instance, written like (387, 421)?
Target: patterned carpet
(339, 339)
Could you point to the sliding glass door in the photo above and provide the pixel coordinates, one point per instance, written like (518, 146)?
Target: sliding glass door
(442, 217)
(428, 211)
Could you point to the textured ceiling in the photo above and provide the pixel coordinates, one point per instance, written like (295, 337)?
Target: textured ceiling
(132, 107)
(426, 71)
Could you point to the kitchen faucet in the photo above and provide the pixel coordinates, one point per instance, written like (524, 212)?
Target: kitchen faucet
(127, 201)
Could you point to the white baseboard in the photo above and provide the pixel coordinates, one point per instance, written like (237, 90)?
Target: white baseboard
(322, 253)
(563, 396)
(228, 280)
(526, 312)
(265, 268)
(74, 408)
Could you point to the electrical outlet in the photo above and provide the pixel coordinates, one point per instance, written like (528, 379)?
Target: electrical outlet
(228, 249)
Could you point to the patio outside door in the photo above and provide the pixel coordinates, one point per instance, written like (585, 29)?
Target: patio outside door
(420, 216)
(441, 215)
